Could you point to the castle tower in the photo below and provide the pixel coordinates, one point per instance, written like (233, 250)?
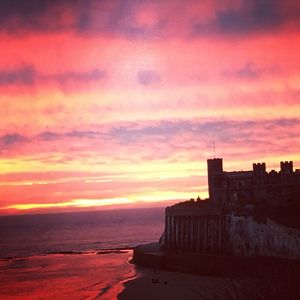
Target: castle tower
(259, 182)
(286, 172)
(286, 167)
(214, 172)
(259, 169)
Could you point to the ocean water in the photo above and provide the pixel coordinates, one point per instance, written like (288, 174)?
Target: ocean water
(27, 235)
(81, 255)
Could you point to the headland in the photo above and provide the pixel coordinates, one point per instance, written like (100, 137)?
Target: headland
(248, 226)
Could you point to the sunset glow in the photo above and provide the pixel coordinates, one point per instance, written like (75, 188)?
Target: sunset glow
(119, 102)
(73, 203)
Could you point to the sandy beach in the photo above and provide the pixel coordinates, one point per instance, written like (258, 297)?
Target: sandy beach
(156, 284)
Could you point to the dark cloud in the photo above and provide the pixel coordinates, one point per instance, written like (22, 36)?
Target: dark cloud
(73, 134)
(12, 139)
(49, 136)
(25, 75)
(147, 77)
(122, 20)
(121, 17)
(52, 136)
(22, 9)
(252, 16)
(87, 16)
(84, 134)
(248, 71)
(256, 15)
(28, 75)
(40, 15)
(251, 70)
(75, 76)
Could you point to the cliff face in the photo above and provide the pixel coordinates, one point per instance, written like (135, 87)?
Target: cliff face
(248, 237)
(262, 230)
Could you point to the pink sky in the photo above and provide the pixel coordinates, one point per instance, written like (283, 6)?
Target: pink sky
(119, 102)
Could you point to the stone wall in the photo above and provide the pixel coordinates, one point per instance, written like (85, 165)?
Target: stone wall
(209, 231)
(202, 234)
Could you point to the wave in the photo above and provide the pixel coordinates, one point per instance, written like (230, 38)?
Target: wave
(120, 250)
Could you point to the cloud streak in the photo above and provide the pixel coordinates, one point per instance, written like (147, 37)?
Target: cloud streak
(147, 19)
(25, 75)
(80, 16)
(28, 75)
(250, 17)
(162, 140)
(147, 77)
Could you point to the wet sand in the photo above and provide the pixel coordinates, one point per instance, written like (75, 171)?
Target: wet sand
(65, 276)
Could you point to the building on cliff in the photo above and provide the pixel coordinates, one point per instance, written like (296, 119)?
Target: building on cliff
(250, 187)
(226, 223)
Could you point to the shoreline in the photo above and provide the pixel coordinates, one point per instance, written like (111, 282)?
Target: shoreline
(119, 250)
(119, 285)
(88, 275)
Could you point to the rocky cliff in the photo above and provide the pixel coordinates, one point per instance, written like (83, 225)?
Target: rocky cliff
(249, 237)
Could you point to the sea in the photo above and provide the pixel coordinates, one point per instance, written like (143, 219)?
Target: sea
(76, 255)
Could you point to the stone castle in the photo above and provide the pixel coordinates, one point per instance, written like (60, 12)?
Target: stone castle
(251, 187)
(225, 223)
(249, 226)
